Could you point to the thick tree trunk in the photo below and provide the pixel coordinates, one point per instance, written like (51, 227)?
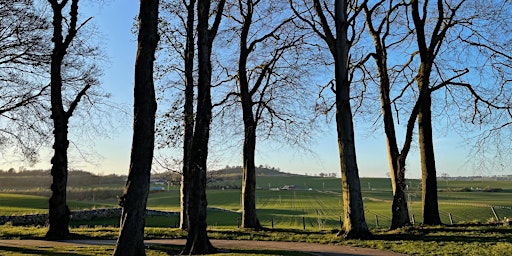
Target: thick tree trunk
(188, 113)
(134, 199)
(430, 206)
(59, 213)
(249, 217)
(354, 224)
(197, 238)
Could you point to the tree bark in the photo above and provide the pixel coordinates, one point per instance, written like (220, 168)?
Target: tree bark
(427, 56)
(400, 214)
(59, 213)
(188, 113)
(134, 199)
(197, 238)
(354, 224)
(430, 207)
(249, 217)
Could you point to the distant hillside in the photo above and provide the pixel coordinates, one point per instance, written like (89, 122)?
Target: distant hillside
(31, 179)
(235, 172)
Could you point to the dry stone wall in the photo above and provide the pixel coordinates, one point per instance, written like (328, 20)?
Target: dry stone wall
(42, 219)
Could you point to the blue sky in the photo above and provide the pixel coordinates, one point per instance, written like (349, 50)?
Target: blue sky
(114, 19)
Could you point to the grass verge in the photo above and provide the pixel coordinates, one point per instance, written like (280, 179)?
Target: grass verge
(468, 239)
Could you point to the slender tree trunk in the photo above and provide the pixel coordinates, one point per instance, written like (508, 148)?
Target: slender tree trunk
(400, 215)
(197, 238)
(249, 218)
(134, 199)
(188, 114)
(354, 224)
(428, 166)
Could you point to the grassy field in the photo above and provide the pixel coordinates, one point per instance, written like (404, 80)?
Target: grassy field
(315, 205)
(308, 215)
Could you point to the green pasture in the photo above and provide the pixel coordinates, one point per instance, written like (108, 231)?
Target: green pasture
(315, 205)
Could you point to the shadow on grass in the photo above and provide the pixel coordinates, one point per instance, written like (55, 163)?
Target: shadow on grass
(454, 233)
(15, 249)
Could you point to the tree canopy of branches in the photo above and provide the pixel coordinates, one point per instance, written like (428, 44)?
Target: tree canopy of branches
(445, 46)
(24, 60)
(269, 85)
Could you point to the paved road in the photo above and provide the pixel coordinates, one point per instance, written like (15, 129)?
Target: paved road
(315, 249)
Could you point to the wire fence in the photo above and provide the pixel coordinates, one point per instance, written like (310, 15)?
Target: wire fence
(450, 214)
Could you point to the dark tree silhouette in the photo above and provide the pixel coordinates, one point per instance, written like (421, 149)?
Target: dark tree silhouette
(354, 224)
(197, 238)
(382, 29)
(58, 210)
(134, 199)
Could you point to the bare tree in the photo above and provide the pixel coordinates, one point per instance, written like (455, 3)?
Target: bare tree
(339, 44)
(382, 31)
(456, 25)
(134, 199)
(268, 73)
(172, 42)
(197, 238)
(24, 62)
(66, 71)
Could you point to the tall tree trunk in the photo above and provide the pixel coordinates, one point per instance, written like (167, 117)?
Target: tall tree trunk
(188, 113)
(430, 207)
(400, 215)
(134, 199)
(59, 213)
(354, 224)
(197, 238)
(249, 217)
(427, 56)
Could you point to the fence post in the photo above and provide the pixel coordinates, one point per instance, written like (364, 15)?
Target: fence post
(495, 214)
(451, 218)
(272, 221)
(238, 222)
(341, 222)
(376, 220)
(413, 220)
(304, 223)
